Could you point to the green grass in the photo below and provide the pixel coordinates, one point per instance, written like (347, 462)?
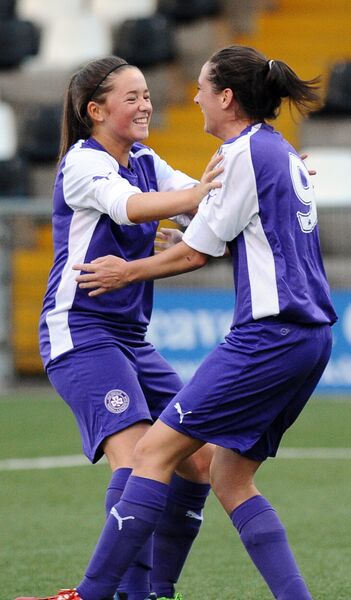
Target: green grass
(50, 519)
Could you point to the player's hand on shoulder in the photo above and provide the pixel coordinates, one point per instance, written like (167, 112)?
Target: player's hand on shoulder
(213, 168)
(209, 179)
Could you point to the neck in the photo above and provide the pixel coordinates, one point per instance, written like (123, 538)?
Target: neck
(119, 151)
(234, 128)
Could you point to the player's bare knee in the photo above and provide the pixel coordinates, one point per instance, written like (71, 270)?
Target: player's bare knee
(148, 455)
(197, 466)
(144, 451)
(203, 458)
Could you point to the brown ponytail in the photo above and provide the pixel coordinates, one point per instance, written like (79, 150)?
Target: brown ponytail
(259, 85)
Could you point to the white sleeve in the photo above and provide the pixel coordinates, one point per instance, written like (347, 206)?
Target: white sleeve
(227, 210)
(201, 237)
(91, 181)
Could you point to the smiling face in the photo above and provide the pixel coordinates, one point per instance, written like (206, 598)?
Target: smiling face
(224, 117)
(124, 116)
(209, 102)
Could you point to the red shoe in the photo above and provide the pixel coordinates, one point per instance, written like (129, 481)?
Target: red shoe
(62, 595)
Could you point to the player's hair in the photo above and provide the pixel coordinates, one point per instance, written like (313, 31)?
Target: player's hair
(259, 85)
(93, 81)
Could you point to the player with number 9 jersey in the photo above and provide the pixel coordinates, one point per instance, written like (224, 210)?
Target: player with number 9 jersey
(266, 212)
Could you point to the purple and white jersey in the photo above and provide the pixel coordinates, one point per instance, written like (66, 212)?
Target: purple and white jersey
(266, 213)
(90, 220)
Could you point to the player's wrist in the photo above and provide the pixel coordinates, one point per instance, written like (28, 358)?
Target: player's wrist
(200, 191)
(133, 271)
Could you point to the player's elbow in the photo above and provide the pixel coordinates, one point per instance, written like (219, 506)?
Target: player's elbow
(196, 259)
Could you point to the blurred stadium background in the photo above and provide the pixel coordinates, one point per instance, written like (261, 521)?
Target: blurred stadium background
(42, 44)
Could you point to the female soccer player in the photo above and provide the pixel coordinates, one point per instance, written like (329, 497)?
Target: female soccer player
(253, 386)
(109, 193)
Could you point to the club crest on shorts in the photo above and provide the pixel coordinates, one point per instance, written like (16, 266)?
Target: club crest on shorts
(116, 401)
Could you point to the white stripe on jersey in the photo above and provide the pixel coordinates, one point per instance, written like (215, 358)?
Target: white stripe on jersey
(261, 268)
(81, 231)
(141, 152)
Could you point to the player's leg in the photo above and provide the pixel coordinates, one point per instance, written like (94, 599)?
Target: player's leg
(296, 365)
(232, 478)
(103, 392)
(189, 487)
(134, 518)
(181, 521)
(119, 448)
(260, 529)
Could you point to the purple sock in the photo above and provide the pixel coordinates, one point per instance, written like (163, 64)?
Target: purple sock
(136, 582)
(115, 487)
(176, 531)
(264, 538)
(131, 521)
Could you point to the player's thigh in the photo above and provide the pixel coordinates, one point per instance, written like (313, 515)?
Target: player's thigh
(245, 383)
(101, 387)
(160, 383)
(213, 405)
(197, 466)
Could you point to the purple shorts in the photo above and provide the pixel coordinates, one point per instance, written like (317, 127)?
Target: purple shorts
(111, 387)
(252, 387)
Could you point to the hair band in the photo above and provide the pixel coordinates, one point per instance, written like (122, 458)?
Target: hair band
(105, 77)
(270, 64)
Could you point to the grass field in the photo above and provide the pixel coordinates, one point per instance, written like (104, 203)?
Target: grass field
(50, 518)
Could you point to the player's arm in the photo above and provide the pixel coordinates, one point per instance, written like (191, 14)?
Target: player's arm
(170, 179)
(168, 237)
(93, 183)
(110, 272)
(150, 206)
(154, 206)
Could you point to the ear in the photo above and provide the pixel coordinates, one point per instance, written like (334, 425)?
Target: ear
(227, 97)
(95, 111)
